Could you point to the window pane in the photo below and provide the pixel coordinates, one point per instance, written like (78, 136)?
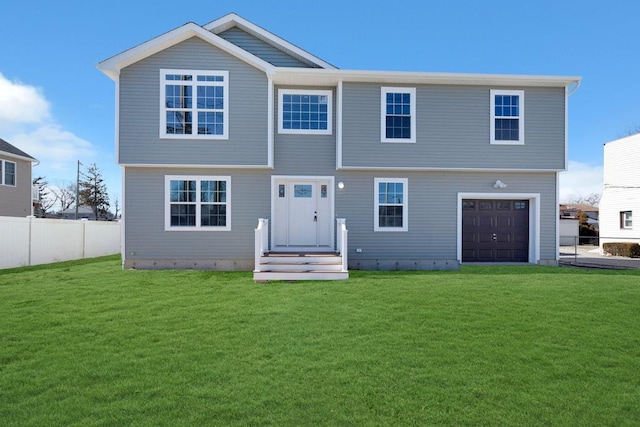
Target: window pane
(183, 191)
(304, 191)
(178, 96)
(213, 215)
(183, 215)
(10, 173)
(390, 216)
(179, 123)
(398, 120)
(303, 108)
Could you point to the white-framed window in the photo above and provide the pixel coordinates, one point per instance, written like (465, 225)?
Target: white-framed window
(391, 209)
(507, 117)
(7, 173)
(194, 104)
(197, 202)
(305, 111)
(398, 114)
(626, 219)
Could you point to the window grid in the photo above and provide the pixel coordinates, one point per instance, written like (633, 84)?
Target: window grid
(7, 173)
(197, 203)
(305, 111)
(204, 117)
(506, 117)
(398, 114)
(626, 219)
(391, 206)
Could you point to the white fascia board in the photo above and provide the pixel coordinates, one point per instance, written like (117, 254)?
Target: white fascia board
(19, 157)
(310, 76)
(230, 20)
(193, 166)
(112, 66)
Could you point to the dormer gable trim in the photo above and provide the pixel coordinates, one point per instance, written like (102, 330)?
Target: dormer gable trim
(233, 20)
(112, 66)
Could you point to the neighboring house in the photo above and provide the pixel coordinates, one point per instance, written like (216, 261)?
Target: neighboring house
(620, 201)
(16, 189)
(225, 127)
(84, 212)
(571, 210)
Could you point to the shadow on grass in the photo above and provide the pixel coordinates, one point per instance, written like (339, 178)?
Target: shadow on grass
(61, 264)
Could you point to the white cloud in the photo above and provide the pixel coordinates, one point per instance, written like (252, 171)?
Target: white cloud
(580, 180)
(26, 122)
(21, 104)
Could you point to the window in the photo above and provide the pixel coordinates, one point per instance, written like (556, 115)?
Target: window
(197, 203)
(507, 117)
(390, 204)
(305, 111)
(626, 219)
(398, 114)
(7, 173)
(194, 104)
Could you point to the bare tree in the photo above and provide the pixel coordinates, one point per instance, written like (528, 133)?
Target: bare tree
(592, 199)
(65, 195)
(46, 197)
(116, 207)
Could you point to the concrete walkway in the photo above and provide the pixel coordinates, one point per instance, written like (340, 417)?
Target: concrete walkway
(590, 257)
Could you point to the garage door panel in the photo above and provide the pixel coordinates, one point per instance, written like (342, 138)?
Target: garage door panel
(495, 231)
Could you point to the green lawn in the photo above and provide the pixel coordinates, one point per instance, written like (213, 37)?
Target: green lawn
(85, 343)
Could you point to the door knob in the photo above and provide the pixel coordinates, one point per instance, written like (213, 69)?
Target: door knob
(315, 216)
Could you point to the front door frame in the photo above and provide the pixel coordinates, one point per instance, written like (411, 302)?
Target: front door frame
(534, 218)
(331, 197)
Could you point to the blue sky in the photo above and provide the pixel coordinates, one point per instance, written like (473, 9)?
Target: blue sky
(55, 104)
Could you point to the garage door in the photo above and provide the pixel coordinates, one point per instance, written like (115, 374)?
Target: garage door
(495, 230)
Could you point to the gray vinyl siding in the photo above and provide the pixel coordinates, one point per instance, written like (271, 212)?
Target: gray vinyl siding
(262, 49)
(432, 217)
(453, 130)
(139, 108)
(145, 233)
(300, 154)
(16, 200)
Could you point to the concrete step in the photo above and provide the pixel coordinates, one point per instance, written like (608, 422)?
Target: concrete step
(264, 276)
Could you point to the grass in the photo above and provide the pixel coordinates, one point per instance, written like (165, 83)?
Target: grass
(85, 343)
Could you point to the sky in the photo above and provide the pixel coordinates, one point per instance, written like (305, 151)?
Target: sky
(58, 107)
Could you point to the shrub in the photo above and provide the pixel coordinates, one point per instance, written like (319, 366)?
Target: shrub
(631, 250)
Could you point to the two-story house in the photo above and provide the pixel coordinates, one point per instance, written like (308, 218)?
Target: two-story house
(620, 200)
(16, 189)
(226, 126)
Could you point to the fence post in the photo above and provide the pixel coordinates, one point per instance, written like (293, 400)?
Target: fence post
(31, 217)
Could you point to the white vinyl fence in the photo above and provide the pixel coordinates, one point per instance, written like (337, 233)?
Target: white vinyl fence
(32, 241)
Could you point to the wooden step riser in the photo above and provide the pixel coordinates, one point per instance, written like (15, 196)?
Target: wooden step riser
(300, 267)
(300, 260)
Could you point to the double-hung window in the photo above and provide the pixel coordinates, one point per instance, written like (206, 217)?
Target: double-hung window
(304, 111)
(398, 114)
(197, 203)
(194, 104)
(7, 173)
(626, 219)
(507, 117)
(390, 212)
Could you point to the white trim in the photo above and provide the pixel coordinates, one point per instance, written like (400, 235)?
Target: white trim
(112, 66)
(117, 119)
(384, 90)
(557, 214)
(405, 204)
(3, 173)
(520, 117)
(19, 157)
(270, 131)
(194, 83)
(123, 240)
(534, 219)
(332, 201)
(623, 220)
(198, 202)
(567, 93)
(434, 169)
(193, 166)
(294, 91)
(339, 125)
(230, 20)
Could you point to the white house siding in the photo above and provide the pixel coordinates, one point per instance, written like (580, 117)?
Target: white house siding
(621, 190)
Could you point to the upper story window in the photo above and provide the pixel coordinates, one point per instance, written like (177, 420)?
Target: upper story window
(7, 173)
(304, 111)
(390, 212)
(626, 219)
(194, 104)
(197, 203)
(507, 117)
(398, 114)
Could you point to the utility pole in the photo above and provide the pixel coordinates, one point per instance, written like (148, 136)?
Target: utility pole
(77, 188)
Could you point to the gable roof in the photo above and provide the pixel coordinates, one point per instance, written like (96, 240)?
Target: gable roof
(231, 20)
(13, 151)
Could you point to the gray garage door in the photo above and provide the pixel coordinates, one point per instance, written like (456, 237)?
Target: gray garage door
(495, 230)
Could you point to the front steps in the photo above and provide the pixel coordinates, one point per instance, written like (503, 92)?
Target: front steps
(300, 266)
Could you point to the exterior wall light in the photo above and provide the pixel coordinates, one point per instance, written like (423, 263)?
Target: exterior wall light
(499, 184)
(340, 185)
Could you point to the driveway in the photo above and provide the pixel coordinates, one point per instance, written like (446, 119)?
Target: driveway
(590, 257)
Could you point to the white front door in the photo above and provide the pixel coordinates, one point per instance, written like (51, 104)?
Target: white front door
(303, 212)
